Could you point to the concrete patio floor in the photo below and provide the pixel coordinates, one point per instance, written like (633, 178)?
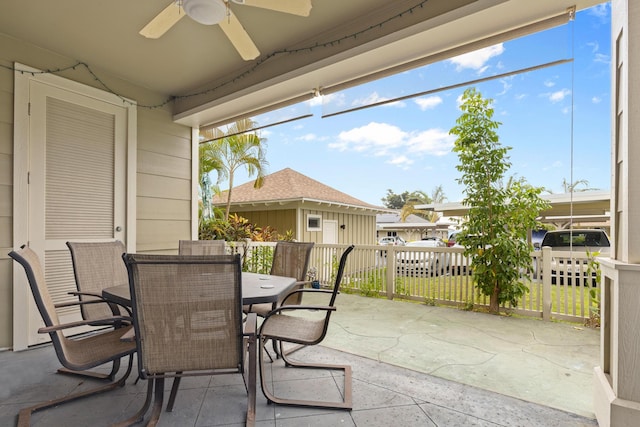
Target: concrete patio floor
(412, 365)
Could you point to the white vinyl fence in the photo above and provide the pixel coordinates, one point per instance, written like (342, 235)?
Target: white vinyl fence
(559, 286)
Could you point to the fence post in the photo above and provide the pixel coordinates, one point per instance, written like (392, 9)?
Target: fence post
(546, 283)
(390, 261)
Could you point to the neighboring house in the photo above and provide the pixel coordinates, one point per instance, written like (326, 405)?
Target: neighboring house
(413, 228)
(314, 212)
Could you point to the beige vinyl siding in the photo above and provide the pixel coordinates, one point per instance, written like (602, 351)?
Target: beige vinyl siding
(359, 227)
(163, 181)
(163, 162)
(281, 220)
(6, 205)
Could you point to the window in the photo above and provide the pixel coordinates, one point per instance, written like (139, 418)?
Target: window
(314, 222)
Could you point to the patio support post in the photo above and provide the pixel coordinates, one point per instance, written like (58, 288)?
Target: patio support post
(616, 380)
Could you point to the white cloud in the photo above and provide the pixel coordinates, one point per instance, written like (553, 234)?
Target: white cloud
(332, 98)
(378, 137)
(506, 85)
(558, 96)
(595, 46)
(401, 147)
(401, 161)
(428, 103)
(601, 58)
(549, 83)
(555, 165)
(477, 60)
(308, 137)
(375, 98)
(435, 142)
(596, 100)
(601, 10)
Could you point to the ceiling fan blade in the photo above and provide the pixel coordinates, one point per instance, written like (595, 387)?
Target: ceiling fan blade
(238, 37)
(163, 21)
(294, 7)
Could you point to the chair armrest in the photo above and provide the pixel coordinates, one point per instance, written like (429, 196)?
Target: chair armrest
(129, 336)
(298, 307)
(323, 291)
(99, 299)
(48, 329)
(89, 294)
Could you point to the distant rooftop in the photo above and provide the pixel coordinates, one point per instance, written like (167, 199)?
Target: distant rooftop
(288, 185)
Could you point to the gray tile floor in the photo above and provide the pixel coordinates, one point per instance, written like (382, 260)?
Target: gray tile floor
(412, 365)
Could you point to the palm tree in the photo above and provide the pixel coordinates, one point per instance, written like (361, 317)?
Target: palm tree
(208, 163)
(421, 198)
(571, 188)
(437, 196)
(228, 151)
(417, 197)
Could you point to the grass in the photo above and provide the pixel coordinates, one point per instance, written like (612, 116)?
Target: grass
(460, 290)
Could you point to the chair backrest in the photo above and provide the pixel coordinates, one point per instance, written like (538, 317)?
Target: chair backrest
(97, 265)
(291, 259)
(187, 312)
(30, 261)
(340, 273)
(201, 247)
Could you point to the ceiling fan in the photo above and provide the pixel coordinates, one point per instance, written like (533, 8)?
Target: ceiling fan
(211, 12)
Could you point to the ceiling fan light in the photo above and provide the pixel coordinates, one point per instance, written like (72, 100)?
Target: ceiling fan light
(207, 12)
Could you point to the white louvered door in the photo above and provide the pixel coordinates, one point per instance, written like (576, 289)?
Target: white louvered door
(76, 185)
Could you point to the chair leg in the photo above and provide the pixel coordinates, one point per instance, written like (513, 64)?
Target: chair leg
(157, 403)
(139, 416)
(251, 389)
(24, 417)
(174, 392)
(345, 404)
(155, 389)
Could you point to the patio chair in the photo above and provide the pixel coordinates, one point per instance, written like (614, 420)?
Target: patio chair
(201, 247)
(280, 327)
(78, 354)
(98, 265)
(187, 313)
(290, 259)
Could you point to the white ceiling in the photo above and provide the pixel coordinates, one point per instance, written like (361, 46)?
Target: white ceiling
(195, 59)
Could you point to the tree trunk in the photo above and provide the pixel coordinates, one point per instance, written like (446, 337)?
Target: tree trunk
(494, 305)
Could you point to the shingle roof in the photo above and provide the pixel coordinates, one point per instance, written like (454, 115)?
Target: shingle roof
(290, 185)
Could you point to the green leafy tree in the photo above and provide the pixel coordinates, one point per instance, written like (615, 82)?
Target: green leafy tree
(494, 233)
(395, 201)
(229, 151)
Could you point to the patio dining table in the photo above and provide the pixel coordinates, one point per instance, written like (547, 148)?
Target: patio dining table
(256, 289)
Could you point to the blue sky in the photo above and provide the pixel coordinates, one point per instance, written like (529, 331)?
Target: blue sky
(406, 146)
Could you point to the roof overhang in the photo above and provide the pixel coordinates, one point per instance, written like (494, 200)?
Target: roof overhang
(304, 202)
(595, 204)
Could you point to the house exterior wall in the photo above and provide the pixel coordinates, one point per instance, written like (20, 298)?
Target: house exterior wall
(163, 193)
(281, 220)
(6, 202)
(359, 227)
(163, 181)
